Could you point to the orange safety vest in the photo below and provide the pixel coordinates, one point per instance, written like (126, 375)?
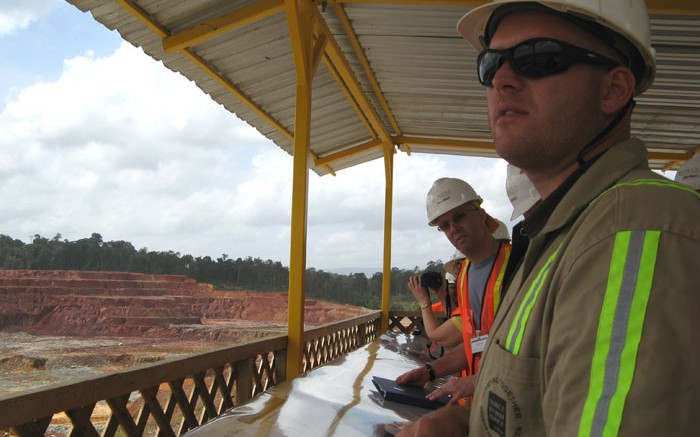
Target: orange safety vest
(438, 307)
(492, 298)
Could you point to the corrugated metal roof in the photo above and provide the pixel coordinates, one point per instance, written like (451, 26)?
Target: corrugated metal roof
(425, 71)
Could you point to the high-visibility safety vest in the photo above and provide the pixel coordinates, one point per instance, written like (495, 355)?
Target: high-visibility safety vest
(492, 298)
(438, 307)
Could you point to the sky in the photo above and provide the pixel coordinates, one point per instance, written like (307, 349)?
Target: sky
(97, 137)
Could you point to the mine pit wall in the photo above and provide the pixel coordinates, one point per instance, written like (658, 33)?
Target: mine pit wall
(121, 304)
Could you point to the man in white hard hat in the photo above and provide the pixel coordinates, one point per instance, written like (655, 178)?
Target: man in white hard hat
(455, 209)
(689, 173)
(598, 330)
(448, 333)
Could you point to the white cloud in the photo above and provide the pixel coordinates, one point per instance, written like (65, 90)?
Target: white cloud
(16, 15)
(121, 146)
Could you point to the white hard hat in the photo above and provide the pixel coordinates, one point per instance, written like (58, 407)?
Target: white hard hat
(627, 19)
(502, 232)
(521, 192)
(447, 194)
(689, 172)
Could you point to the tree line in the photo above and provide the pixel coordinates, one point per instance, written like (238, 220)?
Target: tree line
(224, 272)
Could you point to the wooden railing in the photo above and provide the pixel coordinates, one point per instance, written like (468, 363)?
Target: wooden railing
(407, 322)
(326, 343)
(171, 397)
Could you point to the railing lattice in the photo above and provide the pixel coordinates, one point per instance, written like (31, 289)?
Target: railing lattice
(169, 398)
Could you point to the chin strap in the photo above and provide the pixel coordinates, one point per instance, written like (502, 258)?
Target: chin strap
(598, 138)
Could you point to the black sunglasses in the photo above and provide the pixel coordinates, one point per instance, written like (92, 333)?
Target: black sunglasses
(538, 57)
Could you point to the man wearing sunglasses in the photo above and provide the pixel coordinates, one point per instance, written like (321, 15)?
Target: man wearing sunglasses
(598, 330)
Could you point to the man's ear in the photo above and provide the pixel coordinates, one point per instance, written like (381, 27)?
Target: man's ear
(618, 89)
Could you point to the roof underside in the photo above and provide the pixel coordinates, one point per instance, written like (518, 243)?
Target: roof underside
(390, 69)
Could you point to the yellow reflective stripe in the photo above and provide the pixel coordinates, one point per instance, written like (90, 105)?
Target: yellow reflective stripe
(517, 328)
(462, 284)
(657, 182)
(619, 331)
(499, 280)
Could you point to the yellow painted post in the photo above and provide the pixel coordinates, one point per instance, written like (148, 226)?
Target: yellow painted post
(388, 206)
(300, 22)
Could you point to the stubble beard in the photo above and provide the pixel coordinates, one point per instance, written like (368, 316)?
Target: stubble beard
(544, 150)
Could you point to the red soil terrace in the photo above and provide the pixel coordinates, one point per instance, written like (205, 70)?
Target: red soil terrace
(58, 325)
(118, 304)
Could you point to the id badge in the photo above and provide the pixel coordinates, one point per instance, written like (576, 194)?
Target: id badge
(479, 343)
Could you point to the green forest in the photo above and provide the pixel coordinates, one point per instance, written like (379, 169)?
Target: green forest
(224, 272)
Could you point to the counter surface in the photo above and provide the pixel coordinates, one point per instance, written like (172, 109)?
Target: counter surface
(336, 399)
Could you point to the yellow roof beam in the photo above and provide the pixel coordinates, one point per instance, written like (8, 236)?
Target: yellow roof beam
(437, 142)
(346, 153)
(238, 93)
(360, 53)
(341, 64)
(225, 23)
(145, 19)
(465, 3)
(660, 7)
(348, 94)
(142, 17)
(264, 8)
(488, 146)
(339, 67)
(481, 145)
(674, 7)
(333, 57)
(673, 164)
(670, 156)
(319, 48)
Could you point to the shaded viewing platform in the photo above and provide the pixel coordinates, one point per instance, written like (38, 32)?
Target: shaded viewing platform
(335, 85)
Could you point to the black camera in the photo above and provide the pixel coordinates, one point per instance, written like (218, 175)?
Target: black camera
(431, 280)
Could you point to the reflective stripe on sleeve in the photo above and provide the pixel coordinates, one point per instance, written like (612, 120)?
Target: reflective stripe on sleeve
(517, 328)
(619, 331)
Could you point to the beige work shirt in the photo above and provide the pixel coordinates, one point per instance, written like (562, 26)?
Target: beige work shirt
(599, 330)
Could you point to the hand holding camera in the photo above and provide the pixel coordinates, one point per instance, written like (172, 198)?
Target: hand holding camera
(431, 279)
